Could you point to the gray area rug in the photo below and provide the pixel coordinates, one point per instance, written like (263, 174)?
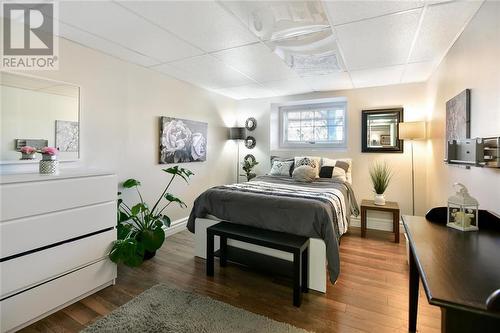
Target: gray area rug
(163, 309)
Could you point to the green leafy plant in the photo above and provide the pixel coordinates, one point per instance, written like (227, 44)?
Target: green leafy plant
(247, 166)
(139, 227)
(381, 175)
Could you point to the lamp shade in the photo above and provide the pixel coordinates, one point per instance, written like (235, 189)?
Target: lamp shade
(236, 133)
(414, 130)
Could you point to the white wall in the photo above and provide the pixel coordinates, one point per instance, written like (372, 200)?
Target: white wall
(120, 106)
(409, 96)
(473, 62)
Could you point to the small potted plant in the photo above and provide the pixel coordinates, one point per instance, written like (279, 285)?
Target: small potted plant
(140, 228)
(28, 153)
(247, 166)
(49, 163)
(380, 174)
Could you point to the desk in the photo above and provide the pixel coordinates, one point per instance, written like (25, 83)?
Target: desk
(459, 271)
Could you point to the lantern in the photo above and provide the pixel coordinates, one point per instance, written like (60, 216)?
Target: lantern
(462, 210)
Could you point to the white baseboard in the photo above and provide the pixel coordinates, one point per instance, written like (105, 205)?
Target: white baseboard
(376, 223)
(176, 226)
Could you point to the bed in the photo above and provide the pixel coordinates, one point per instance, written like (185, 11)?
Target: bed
(320, 210)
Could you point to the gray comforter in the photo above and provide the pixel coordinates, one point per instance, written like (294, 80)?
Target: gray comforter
(282, 204)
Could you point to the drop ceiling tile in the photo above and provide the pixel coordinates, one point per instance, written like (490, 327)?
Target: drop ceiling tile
(203, 23)
(337, 81)
(440, 27)
(105, 46)
(341, 12)
(257, 61)
(377, 77)
(115, 23)
(287, 87)
(378, 42)
(418, 71)
(250, 91)
(208, 71)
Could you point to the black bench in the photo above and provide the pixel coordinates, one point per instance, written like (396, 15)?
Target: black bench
(297, 245)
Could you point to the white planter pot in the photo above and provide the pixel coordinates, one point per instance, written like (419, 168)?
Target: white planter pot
(379, 199)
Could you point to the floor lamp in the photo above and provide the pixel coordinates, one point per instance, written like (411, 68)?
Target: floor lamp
(412, 131)
(237, 134)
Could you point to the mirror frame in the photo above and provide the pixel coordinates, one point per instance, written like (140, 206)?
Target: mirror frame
(398, 112)
(79, 156)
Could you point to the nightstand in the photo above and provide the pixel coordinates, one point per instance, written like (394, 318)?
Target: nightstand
(391, 207)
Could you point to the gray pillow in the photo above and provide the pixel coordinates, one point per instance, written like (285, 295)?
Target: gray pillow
(281, 168)
(304, 173)
(284, 159)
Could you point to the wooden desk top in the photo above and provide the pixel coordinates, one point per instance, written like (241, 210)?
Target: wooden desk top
(389, 205)
(458, 269)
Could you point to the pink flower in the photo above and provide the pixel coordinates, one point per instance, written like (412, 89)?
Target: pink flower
(28, 150)
(50, 151)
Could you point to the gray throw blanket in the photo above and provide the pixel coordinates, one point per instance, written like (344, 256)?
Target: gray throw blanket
(320, 209)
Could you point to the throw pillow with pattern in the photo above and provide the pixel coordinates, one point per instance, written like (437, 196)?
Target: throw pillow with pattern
(281, 168)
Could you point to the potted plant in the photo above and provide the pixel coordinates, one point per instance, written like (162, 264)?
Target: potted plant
(139, 227)
(49, 163)
(247, 166)
(28, 153)
(381, 175)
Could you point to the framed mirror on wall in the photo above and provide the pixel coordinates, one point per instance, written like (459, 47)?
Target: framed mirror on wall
(38, 112)
(380, 132)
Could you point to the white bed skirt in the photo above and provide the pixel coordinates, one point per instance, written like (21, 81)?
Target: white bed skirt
(317, 252)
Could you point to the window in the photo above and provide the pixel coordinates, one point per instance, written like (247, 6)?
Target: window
(313, 124)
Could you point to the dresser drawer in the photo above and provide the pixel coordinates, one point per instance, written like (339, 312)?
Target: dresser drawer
(23, 272)
(35, 303)
(31, 198)
(29, 233)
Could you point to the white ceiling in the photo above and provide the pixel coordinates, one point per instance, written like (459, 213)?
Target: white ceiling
(228, 46)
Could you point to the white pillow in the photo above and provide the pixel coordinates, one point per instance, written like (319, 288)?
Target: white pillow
(281, 168)
(304, 173)
(331, 162)
(312, 161)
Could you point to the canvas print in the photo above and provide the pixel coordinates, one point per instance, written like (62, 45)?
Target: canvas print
(458, 117)
(67, 135)
(182, 140)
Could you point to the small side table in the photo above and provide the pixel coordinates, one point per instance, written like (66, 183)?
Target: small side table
(389, 206)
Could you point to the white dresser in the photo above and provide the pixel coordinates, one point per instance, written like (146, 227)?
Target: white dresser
(55, 233)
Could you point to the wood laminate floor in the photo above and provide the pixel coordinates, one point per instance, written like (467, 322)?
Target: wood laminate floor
(371, 294)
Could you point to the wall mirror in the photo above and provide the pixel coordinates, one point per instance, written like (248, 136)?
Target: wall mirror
(380, 133)
(38, 112)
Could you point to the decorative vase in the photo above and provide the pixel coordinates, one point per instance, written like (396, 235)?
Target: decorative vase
(28, 156)
(49, 165)
(379, 199)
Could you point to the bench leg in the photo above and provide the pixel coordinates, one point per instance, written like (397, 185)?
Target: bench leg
(210, 254)
(305, 270)
(223, 251)
(297, 294)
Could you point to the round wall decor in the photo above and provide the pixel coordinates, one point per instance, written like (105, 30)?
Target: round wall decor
(250, 142)
(249, 157)
(251, 124)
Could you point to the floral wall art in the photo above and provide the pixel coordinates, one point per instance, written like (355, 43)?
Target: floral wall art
(67, 135)
(182, 140)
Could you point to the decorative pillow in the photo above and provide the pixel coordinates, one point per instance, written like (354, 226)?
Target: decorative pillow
(304, 173)
(312, 161)
(281, 168)
(326, 172)
(342, 165)
(339, 173)
(282, 159)
(328, 162)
